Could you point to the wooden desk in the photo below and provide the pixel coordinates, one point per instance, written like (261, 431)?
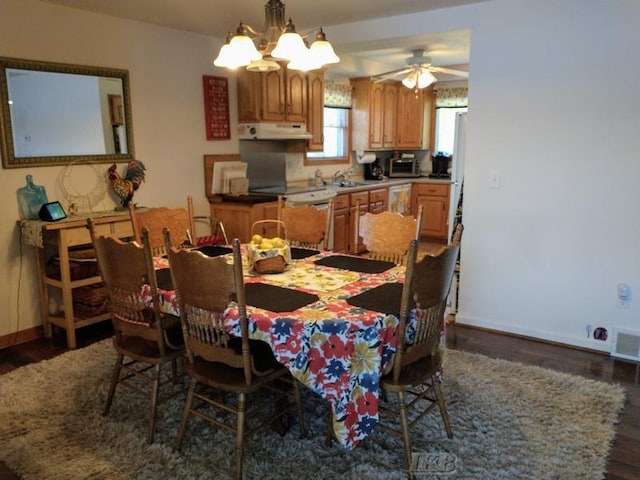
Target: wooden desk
(56, 238)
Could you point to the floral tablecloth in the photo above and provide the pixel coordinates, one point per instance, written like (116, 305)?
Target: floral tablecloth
(338, 350)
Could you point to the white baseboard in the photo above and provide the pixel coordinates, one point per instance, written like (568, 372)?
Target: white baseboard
(588, 343)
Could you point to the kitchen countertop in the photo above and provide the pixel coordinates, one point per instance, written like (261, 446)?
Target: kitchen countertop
(360, 185)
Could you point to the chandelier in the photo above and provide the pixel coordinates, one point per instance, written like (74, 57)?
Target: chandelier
(276, 41)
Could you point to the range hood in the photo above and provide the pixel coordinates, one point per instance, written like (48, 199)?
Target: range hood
(273, 131)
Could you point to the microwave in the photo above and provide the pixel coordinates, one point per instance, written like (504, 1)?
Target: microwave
(404, 167)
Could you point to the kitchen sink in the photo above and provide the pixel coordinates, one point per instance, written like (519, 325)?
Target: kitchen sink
(350, 184)
(316, 197)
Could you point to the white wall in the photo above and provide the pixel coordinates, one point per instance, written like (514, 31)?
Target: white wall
(165, 67)
(553, 105)
(553, 91)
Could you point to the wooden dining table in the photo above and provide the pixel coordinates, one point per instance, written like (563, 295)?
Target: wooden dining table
(331, 319)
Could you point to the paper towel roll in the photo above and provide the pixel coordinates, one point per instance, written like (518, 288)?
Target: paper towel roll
(368, 157)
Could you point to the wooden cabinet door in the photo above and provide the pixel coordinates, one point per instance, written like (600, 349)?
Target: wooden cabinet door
(315, 110)
(434, 220)
(273, 95)
(390, 102)
(435, 201)
(269, 211)
(410, 118)
(237, 220)
(295, 96)
(376, 116)
(341, 230)
(341, 227)
(359, 199)
(378, 200)
(248, 96)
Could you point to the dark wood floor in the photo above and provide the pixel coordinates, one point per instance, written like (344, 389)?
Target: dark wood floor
(624, 460)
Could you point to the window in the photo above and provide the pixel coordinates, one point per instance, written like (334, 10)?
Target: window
(336, 134)
(446, 128)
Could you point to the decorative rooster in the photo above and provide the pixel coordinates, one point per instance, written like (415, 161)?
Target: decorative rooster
(124, 188)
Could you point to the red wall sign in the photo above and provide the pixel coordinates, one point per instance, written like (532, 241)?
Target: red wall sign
(216, 107)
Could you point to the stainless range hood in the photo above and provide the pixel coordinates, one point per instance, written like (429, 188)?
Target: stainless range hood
(273, 131)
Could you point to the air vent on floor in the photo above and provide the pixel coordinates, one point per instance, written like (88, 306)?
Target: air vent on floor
(626, 344)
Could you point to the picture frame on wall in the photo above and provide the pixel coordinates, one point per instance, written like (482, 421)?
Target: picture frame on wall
(216, 107)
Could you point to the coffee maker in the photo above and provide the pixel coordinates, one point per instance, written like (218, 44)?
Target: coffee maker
(440, 162)
(373, 170)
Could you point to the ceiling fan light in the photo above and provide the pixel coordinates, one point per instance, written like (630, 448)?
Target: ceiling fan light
(425, 79)
(263, 65)
(410, 80)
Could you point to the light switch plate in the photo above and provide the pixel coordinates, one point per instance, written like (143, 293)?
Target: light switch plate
(495, 179)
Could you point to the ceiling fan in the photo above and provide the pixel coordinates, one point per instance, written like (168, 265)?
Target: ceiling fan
(418, 71)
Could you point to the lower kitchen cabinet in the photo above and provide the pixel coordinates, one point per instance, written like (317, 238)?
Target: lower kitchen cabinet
(341, 228)
(378, 200)
(434, 199)
(238, 218)
(344, 215)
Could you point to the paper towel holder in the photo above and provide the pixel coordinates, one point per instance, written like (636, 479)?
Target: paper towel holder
(365, 157)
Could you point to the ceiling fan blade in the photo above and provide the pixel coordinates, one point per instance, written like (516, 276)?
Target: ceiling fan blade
(450, 71)
(385, 76)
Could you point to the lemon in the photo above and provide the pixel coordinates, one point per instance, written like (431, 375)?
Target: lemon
(277, 242)
(256, 239)
(266, 244)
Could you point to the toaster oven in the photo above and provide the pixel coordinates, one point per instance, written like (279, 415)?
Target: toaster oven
(404, 167)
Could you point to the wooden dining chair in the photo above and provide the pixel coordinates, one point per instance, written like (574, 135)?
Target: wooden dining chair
(418, 358)
(180, 221)
(307, 226)
(219, 361)
(386, 235)
(145, 340)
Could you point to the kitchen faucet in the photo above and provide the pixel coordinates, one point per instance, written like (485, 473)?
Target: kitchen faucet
(345, 176)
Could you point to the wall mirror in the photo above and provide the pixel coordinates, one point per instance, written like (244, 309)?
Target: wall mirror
(54, 114)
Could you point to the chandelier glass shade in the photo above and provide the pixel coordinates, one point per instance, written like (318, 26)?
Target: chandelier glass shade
(277, 41)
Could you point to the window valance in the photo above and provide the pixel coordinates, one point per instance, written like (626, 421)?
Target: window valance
(337, 95)
(452, 97)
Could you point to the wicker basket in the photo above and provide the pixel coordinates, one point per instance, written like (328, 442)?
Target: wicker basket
(275, 264)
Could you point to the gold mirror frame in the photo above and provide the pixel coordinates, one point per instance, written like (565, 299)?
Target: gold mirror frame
(9, 160)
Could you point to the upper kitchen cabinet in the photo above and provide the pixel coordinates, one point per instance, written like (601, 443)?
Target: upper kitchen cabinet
(382, 114)
(386, 115)
(315, 109)
(410, 114)
(274, 96)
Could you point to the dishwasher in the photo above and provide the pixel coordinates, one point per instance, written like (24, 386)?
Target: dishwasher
(400, 198)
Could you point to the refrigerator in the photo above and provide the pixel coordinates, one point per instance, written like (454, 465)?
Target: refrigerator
(457, 168)
(455, 206)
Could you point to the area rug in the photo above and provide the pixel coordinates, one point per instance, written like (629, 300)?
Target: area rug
(510, 422)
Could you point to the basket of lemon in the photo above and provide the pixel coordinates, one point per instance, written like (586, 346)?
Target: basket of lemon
(268, 255)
